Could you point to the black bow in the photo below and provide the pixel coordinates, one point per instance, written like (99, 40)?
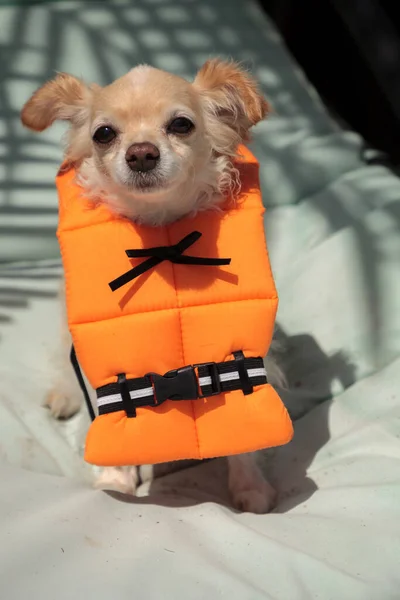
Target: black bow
(172, 253)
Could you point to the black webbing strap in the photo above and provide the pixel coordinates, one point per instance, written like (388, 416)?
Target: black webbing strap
(128, 406)
(188, 383)
(247, 386)
(158, 254)
(81, 381)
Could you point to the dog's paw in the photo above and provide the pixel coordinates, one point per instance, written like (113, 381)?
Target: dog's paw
(61, 405)
(118, 479)
(258, 500)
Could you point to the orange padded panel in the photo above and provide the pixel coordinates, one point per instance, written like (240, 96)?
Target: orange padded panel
(169, 317)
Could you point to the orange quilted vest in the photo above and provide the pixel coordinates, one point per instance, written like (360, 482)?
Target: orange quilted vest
(174, 351)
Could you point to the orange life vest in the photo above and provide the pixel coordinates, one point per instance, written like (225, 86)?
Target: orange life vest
(133, 343)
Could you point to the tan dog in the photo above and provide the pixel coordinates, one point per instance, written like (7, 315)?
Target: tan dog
(155, 147)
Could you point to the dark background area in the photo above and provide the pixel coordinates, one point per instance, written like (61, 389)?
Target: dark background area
(350, 51)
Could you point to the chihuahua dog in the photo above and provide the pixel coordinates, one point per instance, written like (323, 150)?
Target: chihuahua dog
(155, 148)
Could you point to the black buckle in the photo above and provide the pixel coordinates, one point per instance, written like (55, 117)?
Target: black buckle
(182, 384)
(178, 384)
(215, 381)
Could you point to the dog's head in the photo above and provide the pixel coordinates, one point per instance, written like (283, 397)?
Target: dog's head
(151, 144)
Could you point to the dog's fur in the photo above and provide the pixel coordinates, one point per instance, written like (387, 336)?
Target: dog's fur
(194, 172)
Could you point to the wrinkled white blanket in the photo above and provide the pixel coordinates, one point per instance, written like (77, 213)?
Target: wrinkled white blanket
(333, 231)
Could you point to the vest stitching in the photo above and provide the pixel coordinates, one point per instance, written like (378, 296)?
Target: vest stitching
(182, 344)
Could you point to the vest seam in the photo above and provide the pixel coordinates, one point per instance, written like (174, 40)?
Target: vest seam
(89, 225)
(178, 308)
(271, 299)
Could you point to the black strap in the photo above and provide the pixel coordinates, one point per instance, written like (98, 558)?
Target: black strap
(81, 381)
(129, 407)
(158, 254)
(247, 386)
(188, 383)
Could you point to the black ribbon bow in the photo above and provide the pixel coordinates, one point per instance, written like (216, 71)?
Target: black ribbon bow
(160, 253)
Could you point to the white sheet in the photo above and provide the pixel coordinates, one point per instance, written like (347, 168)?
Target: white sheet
(335, 534)
(334, 241)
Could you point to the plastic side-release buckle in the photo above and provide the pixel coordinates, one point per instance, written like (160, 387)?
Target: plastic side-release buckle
(183, 384)
(178, 384)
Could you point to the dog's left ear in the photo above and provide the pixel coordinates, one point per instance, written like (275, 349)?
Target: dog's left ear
(232, 95)
(65, 97)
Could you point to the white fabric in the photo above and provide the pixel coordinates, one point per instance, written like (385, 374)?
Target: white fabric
(335, 534)
(334, 242)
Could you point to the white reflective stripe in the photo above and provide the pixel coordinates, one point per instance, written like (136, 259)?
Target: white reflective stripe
(135, 395)
(261, 372)
(109, 399)
(229, 376)
(203, 381)
(142, 393)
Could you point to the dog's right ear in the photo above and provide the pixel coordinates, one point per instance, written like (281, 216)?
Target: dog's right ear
(65, 97)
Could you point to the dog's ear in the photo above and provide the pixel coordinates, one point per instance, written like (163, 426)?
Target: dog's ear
(65, 97)
(232, 95)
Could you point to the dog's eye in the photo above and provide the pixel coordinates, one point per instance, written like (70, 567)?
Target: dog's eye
(104, 135)
(180, 125)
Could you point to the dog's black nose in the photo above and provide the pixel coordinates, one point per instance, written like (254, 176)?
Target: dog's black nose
(142, 157)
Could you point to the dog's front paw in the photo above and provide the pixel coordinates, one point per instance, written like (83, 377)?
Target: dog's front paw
(62, 406)
(118, 479)
(259, 499)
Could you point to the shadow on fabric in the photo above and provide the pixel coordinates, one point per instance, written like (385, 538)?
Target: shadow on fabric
(311, 378)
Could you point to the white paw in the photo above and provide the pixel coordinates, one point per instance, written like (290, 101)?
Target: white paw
(61, 405)
(258, 500)
(118, 479)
